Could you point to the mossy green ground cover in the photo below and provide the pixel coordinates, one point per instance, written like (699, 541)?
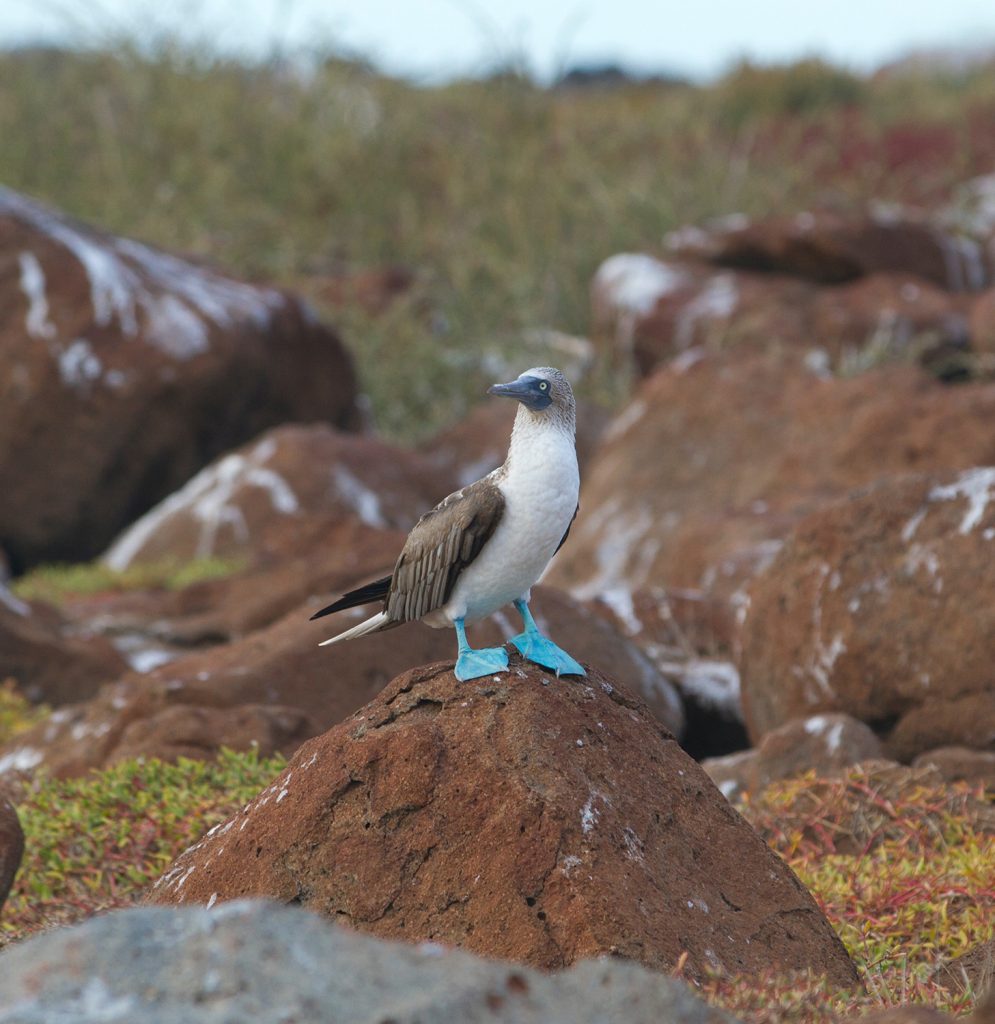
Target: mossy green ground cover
(903, 868)
(55, 583)
(95, 843)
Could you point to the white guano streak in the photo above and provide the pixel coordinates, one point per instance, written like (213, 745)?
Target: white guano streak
(33, 285)
(174, 297)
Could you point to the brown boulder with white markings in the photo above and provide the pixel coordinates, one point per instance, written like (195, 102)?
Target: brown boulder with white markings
(127, 370)
(705, 473)
(961, 764)
(276, 687)
(47, 657)
(882, 606)
(831, 248)
(521, 817)
(825, 744)
(278, 493)
(658, 309)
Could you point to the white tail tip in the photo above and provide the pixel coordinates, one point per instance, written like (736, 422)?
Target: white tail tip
(370, 625)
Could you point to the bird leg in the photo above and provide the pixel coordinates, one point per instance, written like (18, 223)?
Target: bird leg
(537, 648)
(472, 664)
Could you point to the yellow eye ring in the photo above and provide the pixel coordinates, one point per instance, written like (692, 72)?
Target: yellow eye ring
(543, 386)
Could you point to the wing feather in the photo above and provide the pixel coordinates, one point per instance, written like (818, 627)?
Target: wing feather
(442, 544)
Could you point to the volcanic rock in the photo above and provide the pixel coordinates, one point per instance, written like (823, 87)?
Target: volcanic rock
(11, 846)
(301, 558)
(823, 743)
(254, 961)
(974, 970)
(706, 471)
(127, 370)
(279, 491)
(518, 816)
(276, 687)
(832, 248)
(656, 309)
(49, 660)
(958, 764)
(882, 606)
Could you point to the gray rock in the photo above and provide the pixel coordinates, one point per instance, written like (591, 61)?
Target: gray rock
(269, 964)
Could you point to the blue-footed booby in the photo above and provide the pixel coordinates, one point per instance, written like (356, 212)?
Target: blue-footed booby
(484, 546)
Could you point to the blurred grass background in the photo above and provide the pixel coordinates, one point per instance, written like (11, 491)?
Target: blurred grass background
(501, 196)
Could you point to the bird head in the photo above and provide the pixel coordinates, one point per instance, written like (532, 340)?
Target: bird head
(543, 390)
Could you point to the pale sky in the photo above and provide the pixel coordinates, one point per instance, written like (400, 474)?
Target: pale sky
(435, 39)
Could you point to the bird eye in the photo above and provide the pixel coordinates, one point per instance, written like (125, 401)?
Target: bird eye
(543, 386)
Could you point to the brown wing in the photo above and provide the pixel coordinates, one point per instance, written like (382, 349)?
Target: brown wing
(442, 544)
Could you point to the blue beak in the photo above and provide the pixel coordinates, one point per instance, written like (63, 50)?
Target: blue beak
(532, 392)
(518, 389)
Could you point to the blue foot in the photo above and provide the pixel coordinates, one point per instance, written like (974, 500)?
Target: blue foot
(535, 647)
(472, 664)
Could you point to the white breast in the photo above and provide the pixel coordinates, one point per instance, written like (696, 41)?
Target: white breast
(540, 490)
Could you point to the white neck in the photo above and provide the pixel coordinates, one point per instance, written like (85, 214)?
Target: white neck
(533, 434)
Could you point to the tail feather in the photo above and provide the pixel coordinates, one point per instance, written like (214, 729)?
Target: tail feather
(366, 594)
(371, 625)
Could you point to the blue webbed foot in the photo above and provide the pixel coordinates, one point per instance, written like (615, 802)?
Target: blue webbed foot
(472, 664)
(536, 648)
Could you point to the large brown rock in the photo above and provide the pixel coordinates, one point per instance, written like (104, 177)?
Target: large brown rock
(824, 744)
(961, 764)
(279, 492)
(831, 248)
(127, 370)
(706, 471)
(657, 309)
(523, 817)
(300, 559)
(49, 659)
(982, 328)
(276, 687)
(882, 606)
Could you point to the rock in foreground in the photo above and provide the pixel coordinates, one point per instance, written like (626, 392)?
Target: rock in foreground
(522, 817)
(269, 965)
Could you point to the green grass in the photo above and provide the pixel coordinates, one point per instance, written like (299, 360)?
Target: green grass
(502, 196)
(55, 583)
(95, 843)
(901, 866)
(17, 713)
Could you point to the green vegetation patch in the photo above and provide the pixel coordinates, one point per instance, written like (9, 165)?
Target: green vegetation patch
(901, 863)
(96, 843)
(17, 713)
(54, 583)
